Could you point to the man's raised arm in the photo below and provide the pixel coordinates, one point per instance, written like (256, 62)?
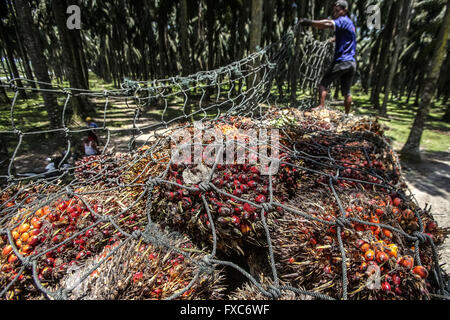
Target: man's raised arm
(319, 24)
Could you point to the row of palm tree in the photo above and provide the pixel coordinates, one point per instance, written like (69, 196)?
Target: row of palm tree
(152, 39)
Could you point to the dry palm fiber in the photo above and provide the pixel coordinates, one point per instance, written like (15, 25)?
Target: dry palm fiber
(139, 271)
(249, 291)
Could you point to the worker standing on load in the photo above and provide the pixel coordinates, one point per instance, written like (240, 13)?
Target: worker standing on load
(343, 67)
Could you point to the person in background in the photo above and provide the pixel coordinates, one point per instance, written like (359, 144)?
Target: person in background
(91, 134)
(89, 147)
(343, 67)
(91, 123)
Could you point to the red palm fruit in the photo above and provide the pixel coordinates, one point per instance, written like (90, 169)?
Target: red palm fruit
(186, 203)
(24, 227)
(138, 276)
(249, 208)
(57, 238)
(260, 199)
(420, 271)
(397, 202)
(252, 184)
(359, 243)
(80, 255)
(408, 214)
(244, 188)
(379, 212)
(235, 220)
(396, 280)
(237, 192)
(157, 292)
(15, 234)
(50, 262)
(25, 236)
(254, 170)
(243, 178)
(431, 226)
(385, 286)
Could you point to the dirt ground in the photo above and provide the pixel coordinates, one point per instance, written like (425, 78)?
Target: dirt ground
(429, 181)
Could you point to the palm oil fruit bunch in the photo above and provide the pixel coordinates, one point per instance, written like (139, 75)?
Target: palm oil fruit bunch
(59, 235)
(236, 218)
(143, 166)
(398, 278)
(139, 271)
(102, 169)
(368, 125)
(307, 252)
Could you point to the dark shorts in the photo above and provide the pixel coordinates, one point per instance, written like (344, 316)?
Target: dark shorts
(343, 71)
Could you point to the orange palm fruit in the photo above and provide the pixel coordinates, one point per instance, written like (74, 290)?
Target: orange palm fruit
(25, 236)
(392, 250)
(365, 247)
(387, 233)
(406, 262)
(15, 235)
(421, 271)
(369, 255)
(7, 250)
(382, 257)
(24, 227)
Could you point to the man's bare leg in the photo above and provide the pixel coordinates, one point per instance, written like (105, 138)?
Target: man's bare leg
(322, 96)
(348, 104)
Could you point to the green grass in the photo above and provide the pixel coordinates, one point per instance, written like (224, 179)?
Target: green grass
(436, 137)
(30, 115)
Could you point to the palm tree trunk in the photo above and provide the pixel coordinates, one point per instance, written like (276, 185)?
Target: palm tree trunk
(384, 53)
(411, 150)
(184, 38)
(255, 33)
(72, 58)
(446, 116)
(406, 6)
(23, 52)
(38, 61)
(9, 48)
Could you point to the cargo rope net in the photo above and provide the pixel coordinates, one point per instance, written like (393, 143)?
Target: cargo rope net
(138, 225)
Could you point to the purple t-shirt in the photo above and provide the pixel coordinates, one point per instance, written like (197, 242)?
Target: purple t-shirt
(345, 39)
